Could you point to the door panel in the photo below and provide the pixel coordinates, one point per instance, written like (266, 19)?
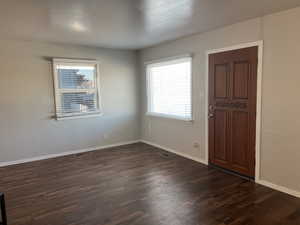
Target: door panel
(221, 81)
(240, 139)
(240, 80)
(220, 136)
(232, 109)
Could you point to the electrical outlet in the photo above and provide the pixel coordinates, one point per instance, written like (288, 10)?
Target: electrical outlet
(196, 145)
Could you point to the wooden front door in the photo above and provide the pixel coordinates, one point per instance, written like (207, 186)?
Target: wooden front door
(232, 110)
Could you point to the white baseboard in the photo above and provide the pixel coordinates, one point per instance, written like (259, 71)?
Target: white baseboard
(50, 156)
(175, 152)
(279, 188)
(261, 182)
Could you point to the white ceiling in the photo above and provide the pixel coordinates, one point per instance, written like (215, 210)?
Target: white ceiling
(126, 24)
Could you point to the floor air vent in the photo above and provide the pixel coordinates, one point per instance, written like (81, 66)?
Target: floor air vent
(165, 155)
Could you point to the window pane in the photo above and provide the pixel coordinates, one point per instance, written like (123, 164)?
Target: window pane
(73, 77)
(78, 102)
(170, 88)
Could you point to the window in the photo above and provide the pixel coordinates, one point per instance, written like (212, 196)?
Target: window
(169, 88)
(76, 88)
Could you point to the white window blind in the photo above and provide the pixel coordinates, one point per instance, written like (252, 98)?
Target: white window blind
(169, 86)
(76, 87)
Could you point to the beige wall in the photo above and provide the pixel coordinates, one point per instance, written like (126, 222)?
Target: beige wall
(281, 107)
(280, 147)
(27, 104)
(181, 135)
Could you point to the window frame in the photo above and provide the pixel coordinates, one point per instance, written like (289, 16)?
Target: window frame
(58, 91)
(168, 61)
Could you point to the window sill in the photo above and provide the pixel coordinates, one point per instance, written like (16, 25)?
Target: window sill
(165, 116)
(79, 117)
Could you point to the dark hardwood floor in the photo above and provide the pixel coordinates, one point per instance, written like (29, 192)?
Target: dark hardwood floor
(137, 185)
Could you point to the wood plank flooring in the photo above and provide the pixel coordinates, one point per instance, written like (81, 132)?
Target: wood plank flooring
(138, 185)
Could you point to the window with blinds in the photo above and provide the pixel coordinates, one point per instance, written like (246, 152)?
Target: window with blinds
(76, 88)
(169, 85)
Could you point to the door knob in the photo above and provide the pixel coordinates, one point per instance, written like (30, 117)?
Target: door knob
(210, 111)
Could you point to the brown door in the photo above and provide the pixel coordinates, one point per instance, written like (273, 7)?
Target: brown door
(232, 110)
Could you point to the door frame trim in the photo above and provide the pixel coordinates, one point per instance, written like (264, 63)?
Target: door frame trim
(259, 44)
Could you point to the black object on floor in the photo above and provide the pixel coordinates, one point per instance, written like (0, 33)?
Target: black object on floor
(3, 220)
